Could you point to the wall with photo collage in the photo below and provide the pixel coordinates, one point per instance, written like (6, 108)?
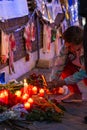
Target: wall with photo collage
(19, 37)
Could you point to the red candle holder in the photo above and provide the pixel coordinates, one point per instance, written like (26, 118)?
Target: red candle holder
(25, 97)
(27, 105)
(18, 93)
(34, 90)
(30, 100)
(4, 96)
(41, 92)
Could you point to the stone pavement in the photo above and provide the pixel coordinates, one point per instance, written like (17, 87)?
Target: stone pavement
(73, 118)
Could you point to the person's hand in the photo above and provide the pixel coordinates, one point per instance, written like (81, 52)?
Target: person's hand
(55, 84)
(60, 83)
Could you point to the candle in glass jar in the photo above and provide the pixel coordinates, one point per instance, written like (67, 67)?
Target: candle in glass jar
(34, 90)
(25, 86)
(2, 97)
(41, 92)
(30, 100)
(25, 97)
(18, 93)
(6, 96)
(27, 105)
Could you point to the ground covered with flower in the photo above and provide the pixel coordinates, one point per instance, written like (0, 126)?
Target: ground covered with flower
(27, 102)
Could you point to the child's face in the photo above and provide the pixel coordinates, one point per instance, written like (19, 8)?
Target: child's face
(76, 49)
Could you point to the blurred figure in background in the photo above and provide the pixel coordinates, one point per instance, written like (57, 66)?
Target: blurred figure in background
(70, 64)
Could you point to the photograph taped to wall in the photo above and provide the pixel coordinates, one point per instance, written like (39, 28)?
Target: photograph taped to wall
(50, 10)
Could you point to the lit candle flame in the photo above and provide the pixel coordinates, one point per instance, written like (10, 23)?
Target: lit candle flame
(27, 105)
(30, 100)
(25, 86)
(18, 93)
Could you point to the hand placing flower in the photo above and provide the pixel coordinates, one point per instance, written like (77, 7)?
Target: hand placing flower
(55, 84)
